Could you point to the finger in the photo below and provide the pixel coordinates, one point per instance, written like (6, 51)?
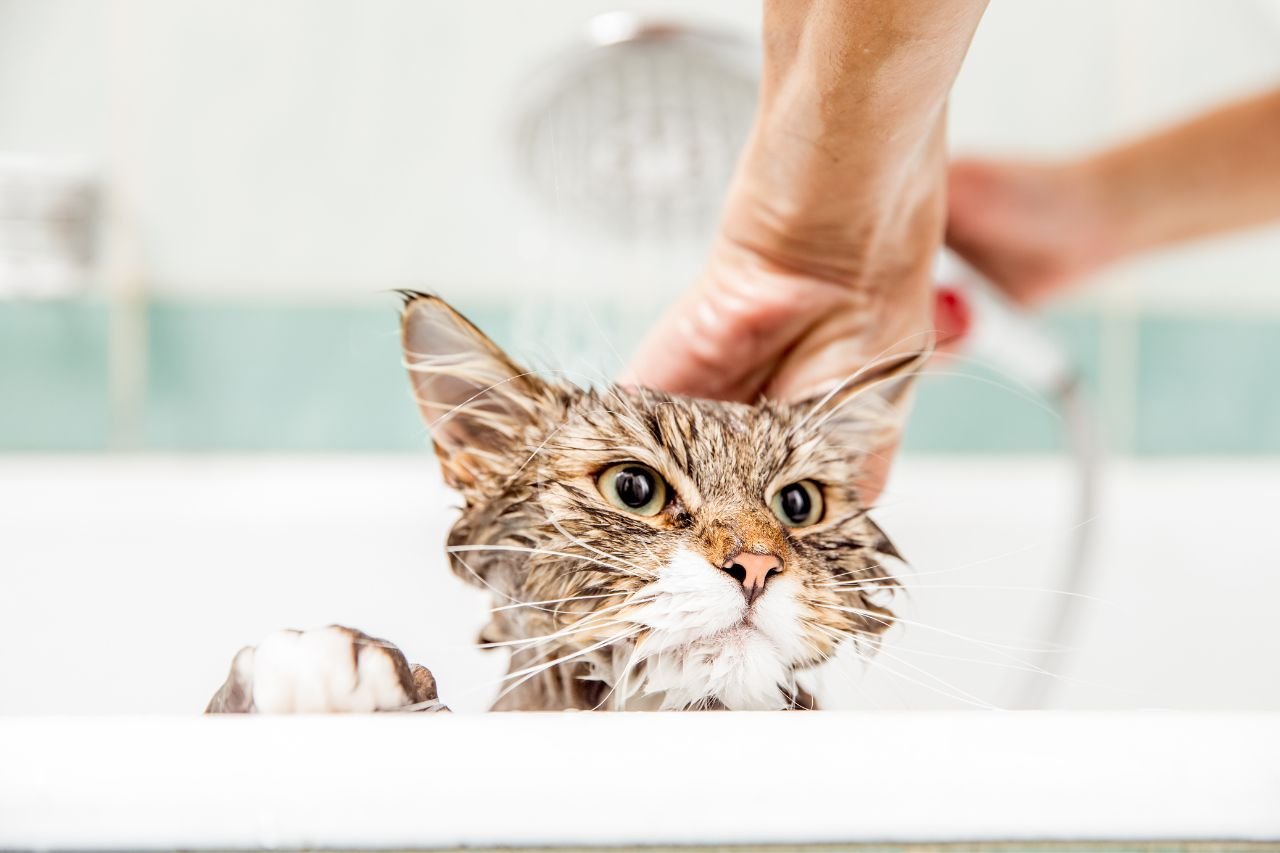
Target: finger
(678, 355)
(724, 341)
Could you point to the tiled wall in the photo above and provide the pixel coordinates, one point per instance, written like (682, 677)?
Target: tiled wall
(308, 377)
(272, 169)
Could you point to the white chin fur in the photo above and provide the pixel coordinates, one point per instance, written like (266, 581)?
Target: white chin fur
(699, 649)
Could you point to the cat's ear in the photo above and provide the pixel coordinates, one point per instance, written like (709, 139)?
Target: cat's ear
(474, 399)
(871, 401)
(867, 412)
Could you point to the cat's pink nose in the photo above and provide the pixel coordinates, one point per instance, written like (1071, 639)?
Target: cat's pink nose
(752, 571)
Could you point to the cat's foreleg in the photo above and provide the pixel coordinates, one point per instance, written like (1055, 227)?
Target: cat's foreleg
(327, 670)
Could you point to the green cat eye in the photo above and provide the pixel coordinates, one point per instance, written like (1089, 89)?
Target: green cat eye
(634, 488)
(798, 504)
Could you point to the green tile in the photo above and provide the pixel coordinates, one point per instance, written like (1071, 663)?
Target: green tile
(304, 377)
(1208, 385)
(235, 377)
(962, 414)
(53, 376)
(964, 407)
(313, 377)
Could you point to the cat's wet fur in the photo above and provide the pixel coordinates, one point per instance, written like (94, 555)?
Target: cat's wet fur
(604, 608)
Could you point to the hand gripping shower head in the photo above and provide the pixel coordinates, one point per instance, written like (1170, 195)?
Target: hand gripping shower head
(634, 133)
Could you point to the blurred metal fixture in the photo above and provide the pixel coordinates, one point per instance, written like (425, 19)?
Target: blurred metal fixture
(1005, 337)
(637, 128)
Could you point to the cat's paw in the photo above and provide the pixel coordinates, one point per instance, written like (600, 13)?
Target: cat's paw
(327, 670)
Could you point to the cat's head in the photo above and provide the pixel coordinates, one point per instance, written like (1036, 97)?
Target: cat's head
(649, 550)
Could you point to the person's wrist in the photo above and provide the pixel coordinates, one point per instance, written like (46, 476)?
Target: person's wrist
(1105, 209)
(832, 323)
(881, 231)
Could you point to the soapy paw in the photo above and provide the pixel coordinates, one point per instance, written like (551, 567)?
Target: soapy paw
(333, 670)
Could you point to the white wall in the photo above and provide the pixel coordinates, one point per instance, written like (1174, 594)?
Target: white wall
(334, 148)
(1049, 78)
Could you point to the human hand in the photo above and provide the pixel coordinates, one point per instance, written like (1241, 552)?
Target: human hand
(1031, 229)
(823, 262)
(749, 328)
(781, 316)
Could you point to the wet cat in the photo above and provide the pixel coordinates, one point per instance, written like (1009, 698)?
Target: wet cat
(643, 550)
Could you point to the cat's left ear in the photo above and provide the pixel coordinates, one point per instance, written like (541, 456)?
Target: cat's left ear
(868, 412)
(476, 401)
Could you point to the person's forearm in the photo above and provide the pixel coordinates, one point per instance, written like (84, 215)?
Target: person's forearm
(822, 259)
(821, 266)
(1218, 172)
(849, 136)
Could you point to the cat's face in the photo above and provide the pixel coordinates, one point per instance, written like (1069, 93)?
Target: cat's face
(646, 550)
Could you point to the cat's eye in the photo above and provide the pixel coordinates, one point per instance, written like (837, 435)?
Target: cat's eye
(634, 488)
(798, 504)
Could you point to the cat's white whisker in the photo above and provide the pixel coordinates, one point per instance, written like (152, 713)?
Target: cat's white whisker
(555, 522)
(862, 570)
(516, 602)
(437, 364)
(590, 621)
(538, 449)
(455, 549)
(480, 580)
(1014, 667)
(983, 561)
(530, 644)
(519, 603)
(1039, 403)
(1024, 666)
(529, 672)
(982, 587)
(889, 619)
(880, 358)
(882, 666)
(971, 697)
(948, 690)
(605, 338)
(622, 680)
(988, 364)
(556, 601)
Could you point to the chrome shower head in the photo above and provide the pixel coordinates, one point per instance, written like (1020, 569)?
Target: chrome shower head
(636, 130)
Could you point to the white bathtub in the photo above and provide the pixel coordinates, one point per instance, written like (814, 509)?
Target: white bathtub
(129, 581)
(442, 781)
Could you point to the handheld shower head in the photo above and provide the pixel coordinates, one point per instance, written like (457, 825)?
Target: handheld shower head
(1003, 336)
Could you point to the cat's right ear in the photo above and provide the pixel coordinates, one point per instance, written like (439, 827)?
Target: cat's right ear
(868, 411)
(475, 400)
